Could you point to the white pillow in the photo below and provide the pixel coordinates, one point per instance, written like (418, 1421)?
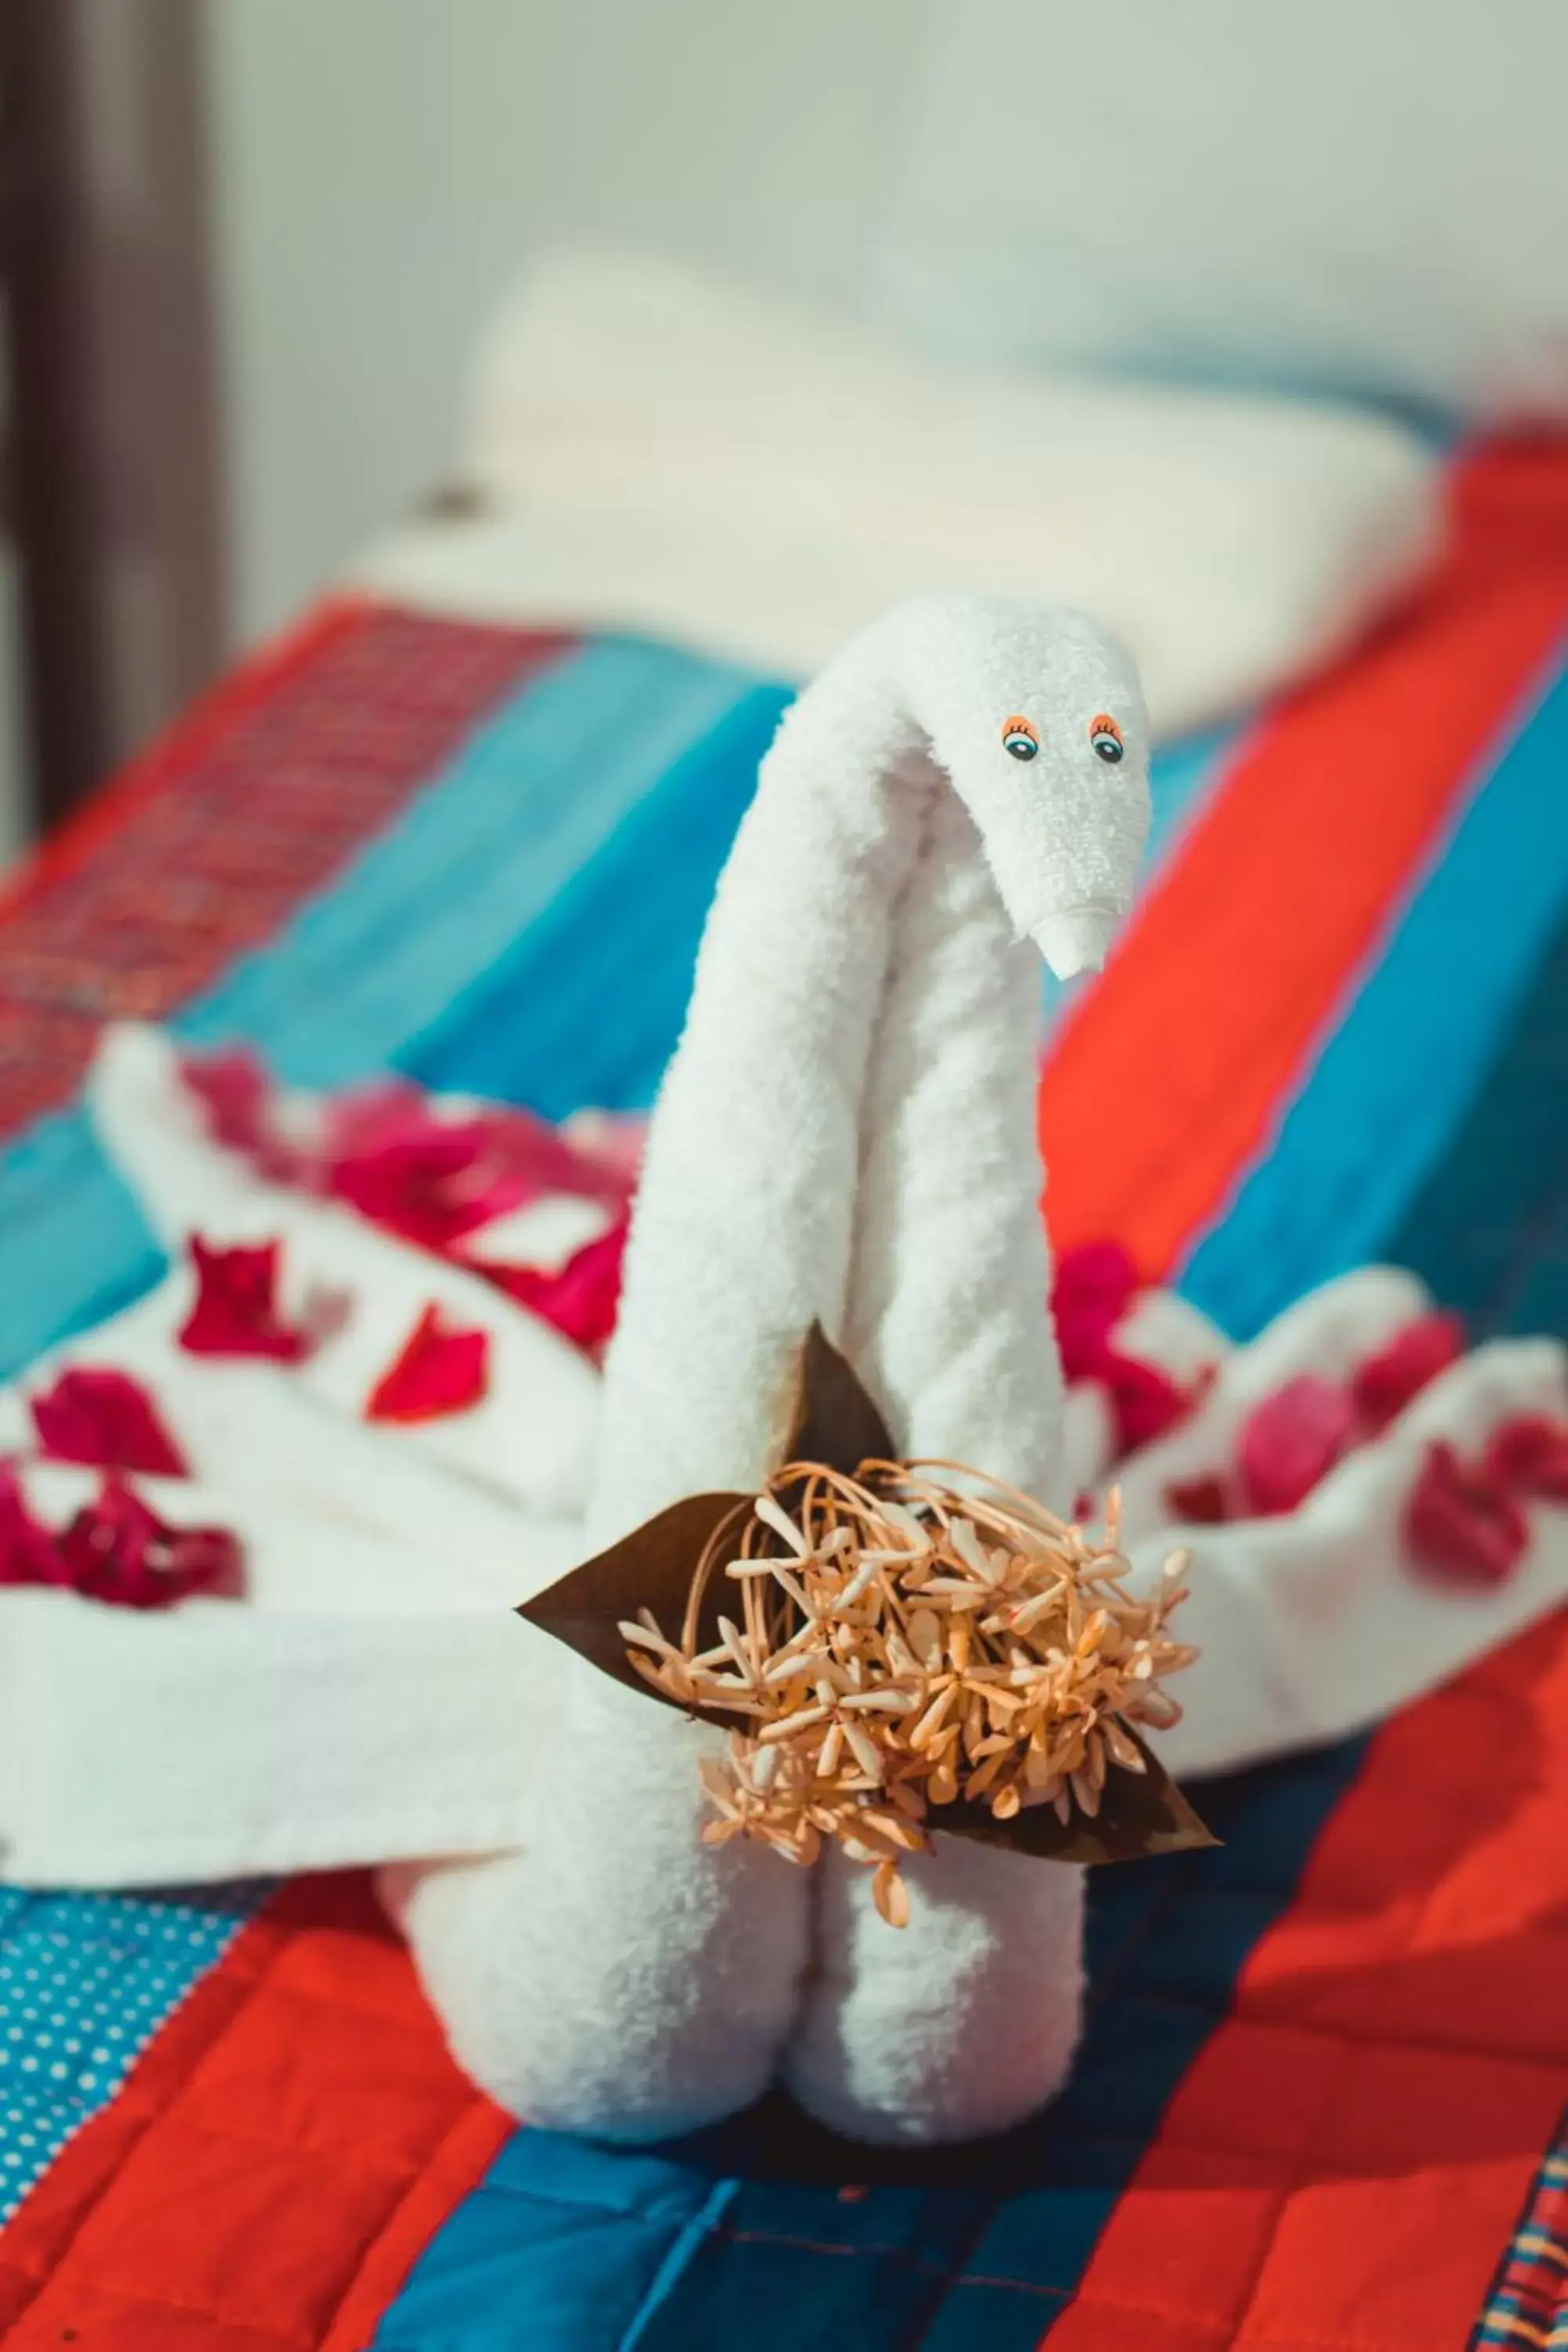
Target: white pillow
(1364, 194)
(660, 451)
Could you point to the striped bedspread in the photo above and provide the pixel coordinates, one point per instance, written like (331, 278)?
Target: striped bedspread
(1320, 2103)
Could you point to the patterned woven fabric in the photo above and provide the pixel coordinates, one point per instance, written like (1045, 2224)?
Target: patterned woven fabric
(213, 836)
(1529, 2304)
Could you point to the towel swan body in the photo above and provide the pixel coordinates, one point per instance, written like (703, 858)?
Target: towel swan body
(846, 1134)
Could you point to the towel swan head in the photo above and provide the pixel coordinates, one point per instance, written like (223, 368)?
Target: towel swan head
(1039, 720)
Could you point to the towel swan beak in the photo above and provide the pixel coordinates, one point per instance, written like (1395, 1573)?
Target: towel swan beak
(1077, 939)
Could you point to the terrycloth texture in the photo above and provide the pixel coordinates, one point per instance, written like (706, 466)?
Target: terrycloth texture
(658, 451)
(896, 2037)
(844, 1134)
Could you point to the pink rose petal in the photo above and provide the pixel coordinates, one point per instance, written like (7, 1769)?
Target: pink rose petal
(440, 1371)
(1459, 1525)
(235, 1092)
(236, 1311)
(1530, 1453)
(1290, 1441)
(1387, 1382)
(103, 1417)
(580, 1299)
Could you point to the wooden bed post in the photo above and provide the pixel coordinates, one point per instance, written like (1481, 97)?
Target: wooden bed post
(113, 477)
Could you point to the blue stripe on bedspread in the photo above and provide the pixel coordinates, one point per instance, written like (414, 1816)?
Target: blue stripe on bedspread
(1409, 1048)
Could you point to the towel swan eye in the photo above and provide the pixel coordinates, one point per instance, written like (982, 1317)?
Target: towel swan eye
(1019, 737)
(1105, 736)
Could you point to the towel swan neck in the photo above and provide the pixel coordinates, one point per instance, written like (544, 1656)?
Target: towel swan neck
(846, 1133)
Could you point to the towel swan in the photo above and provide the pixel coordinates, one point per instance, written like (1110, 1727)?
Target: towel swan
(846, 1133)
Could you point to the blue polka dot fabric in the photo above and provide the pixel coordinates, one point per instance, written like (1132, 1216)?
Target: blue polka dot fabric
(86, 1980)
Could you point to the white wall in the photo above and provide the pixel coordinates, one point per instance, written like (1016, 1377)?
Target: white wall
(383, 165)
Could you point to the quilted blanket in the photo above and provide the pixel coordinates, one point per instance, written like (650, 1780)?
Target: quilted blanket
(1320, 2103)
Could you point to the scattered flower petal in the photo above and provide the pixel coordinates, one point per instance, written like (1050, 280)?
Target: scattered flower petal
(581, 1298)
(1095, 1284)
(440, 1371)
(1290, 1441)
(118, 1551)
(1145, 1401)
(236, 1311)
(1530, 1453)
(1387, 1382)
(1202, 1502)
(235, 1092)
(1459, 1523)
(612, 1144)
(102, 1417)
(27, 1553)
(434, 1179)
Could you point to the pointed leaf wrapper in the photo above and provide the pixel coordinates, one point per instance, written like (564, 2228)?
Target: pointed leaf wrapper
(1141, 1814)
(651, 1569)
(835, 1422)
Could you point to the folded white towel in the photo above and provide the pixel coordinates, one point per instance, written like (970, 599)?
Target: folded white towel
(528, 1439)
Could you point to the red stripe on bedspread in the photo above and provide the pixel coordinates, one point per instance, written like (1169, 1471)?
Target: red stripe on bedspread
(277, 2160)
(1347, 2154)
(1164, 1081)
(209, 840)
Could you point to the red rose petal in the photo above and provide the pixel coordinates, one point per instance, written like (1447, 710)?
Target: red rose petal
(1530, 1453)
(440, 1371)
(27, 1553)
(1095, 1284)
(236, 1311)
(1203, 1502)
(581, 1298)
(434, 1179)
(1146, 1402)
(1460, 1525)
(103, 1417)
(1386, 1382)
(432, 1188)
(117, 1551)
(1290, 1441)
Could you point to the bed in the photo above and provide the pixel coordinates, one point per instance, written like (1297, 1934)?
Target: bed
(1321, 2106)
